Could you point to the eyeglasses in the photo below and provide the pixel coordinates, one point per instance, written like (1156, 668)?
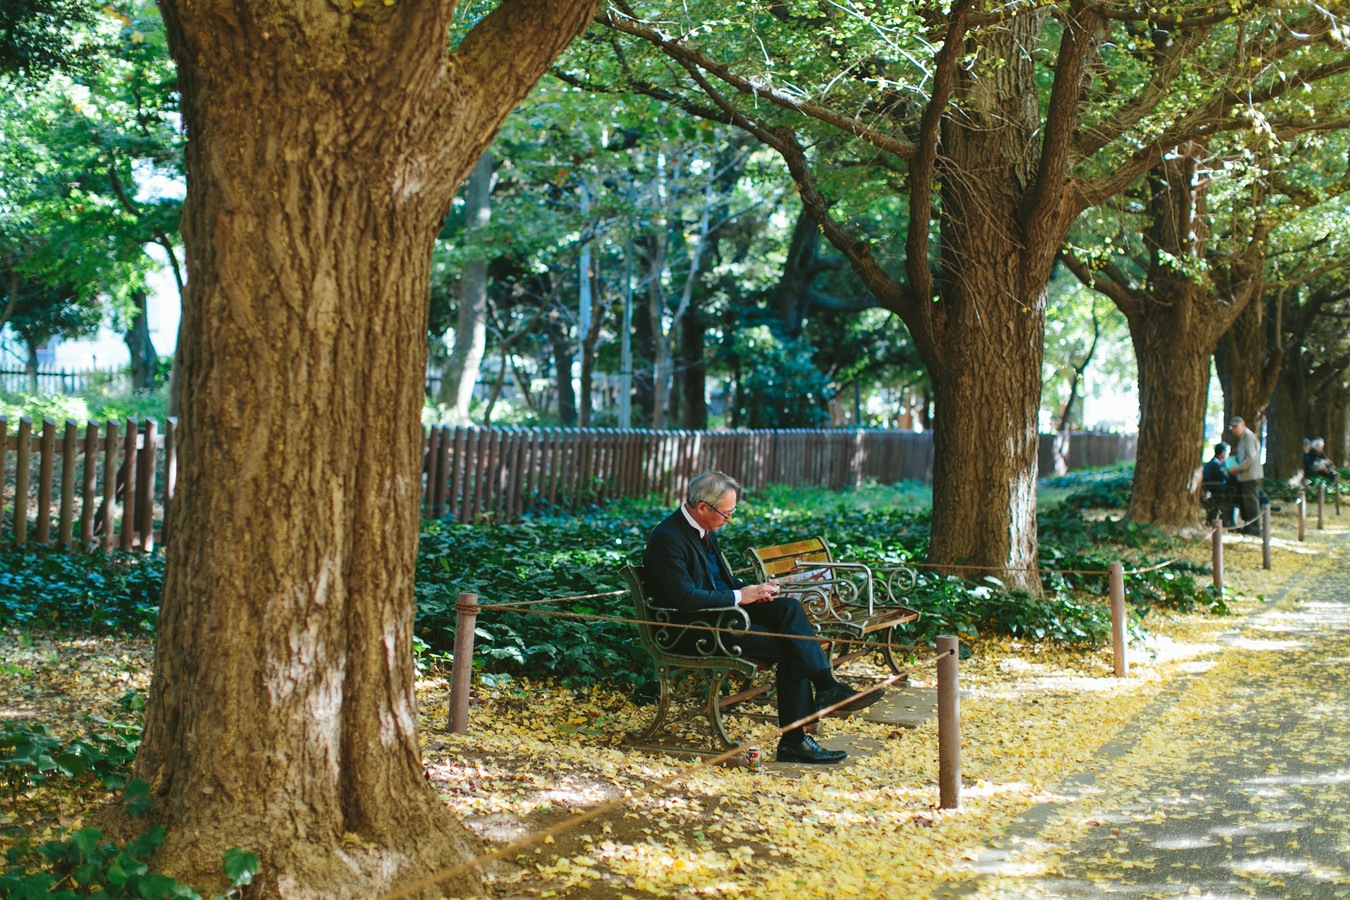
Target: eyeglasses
(726, 517)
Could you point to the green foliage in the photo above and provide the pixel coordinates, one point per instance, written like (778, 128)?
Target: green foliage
(1069, 541)
(87, 591)
(779, 386)
(41, 36)
(1103, 488)
(81, 863)
(97, 403)
(957, 606)
(30, 757)
(548, 556)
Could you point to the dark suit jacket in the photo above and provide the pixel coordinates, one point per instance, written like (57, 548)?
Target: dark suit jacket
(1215, 477)
(677, 568)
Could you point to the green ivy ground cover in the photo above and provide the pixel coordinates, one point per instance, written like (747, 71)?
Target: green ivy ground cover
(573, 555)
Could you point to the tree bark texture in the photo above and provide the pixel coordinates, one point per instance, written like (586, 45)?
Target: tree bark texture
(325, 144)
(1248, 363)
(466, 358)
(982, 341)
(1173, 366)
(1285, 423)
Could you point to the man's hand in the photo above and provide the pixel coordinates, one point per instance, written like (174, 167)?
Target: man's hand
(759, 593)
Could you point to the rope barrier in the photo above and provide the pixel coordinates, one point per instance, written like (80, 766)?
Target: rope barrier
(558, 599)
(1040, 571)
(604, 809)
(1161, 565)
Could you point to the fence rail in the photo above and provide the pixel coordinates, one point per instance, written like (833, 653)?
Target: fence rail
(63, 381)
(109, 484)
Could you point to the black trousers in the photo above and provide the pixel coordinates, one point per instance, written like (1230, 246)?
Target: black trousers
(796, 660)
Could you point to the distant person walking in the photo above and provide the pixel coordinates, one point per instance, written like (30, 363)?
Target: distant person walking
(1246, 469)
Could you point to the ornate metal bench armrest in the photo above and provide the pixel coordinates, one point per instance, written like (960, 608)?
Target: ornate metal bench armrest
(861, 568)
(724, 622)
(899, 580)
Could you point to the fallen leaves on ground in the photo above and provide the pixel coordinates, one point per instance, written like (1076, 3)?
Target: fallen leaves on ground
(535, 754)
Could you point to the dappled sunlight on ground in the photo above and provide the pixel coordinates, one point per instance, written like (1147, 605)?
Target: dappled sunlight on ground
(1035, 719)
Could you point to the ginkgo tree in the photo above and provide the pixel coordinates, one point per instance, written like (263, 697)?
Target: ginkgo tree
(1001, 125)
(325, 142)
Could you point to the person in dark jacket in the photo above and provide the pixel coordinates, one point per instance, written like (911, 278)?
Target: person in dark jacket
(1218, 487)
(1315, 462)
(685, 571)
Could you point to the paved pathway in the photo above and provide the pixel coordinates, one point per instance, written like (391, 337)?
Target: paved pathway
(1234, 783)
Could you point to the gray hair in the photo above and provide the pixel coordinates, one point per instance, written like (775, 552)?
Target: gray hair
(710, 487)
(1318, 443)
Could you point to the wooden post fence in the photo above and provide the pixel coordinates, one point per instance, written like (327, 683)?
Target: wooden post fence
(1118, 620)
(949, 722)
(1216, 554)
(461, 669)
(114, 487)
(108, 487)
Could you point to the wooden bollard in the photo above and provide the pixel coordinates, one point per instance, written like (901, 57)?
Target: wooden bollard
(1302, 510)
(949, 722)
(461, 672)
(1216, 555)
(1265, 536)
(1117, 581)
(1336, 492)
(1321, 503)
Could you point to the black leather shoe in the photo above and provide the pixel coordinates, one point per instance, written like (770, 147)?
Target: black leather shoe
(840, 692)
(808, 751)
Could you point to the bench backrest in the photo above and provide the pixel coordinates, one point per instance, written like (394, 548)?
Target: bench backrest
(789, 562)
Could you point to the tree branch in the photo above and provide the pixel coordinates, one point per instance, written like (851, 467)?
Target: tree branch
(681, 53)
(923, 165)
(1097, 280)
(1048, 207)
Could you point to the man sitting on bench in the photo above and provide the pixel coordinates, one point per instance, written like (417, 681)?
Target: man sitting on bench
(687, 572)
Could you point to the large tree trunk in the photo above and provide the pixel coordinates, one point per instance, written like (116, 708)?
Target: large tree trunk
(323, 152)
(1248, 358)
(466, 358)
(985, 463)
(1174, 325)
(1175, 320)
(144, 359)
(1173, 383)
(985, 350)
(1284, 426)
(693, 372)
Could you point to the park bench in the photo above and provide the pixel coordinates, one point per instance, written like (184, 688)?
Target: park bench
(711, 656)
(840, 597)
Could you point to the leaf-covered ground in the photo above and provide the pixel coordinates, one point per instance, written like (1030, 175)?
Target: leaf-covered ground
(1034, 719)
